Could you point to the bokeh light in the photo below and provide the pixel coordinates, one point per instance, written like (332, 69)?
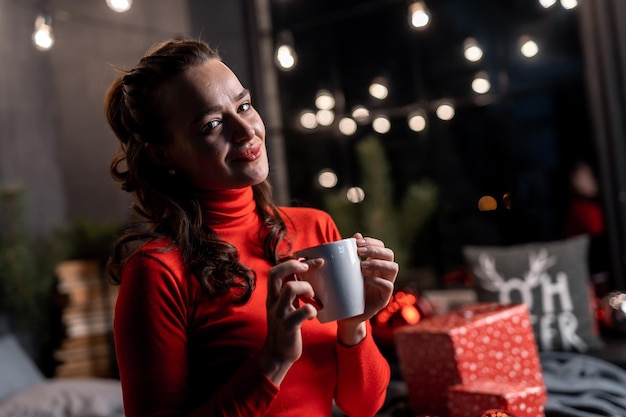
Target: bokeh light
(355, 194)
(445, 111)
(378, 89)
(325, 117)
(308, 120)
(347, 126)
(327, 178)
(324, 100)
(360, 114)
(381, 124)
(417, 121)
(487, 203)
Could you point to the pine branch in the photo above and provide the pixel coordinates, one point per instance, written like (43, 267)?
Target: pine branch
(398, 225)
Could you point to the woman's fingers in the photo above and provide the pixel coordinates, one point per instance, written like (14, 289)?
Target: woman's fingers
(374, 248)
(290, 292)
(379, 273)
(377, 252)
(367, 241)
(280, 274)
(379, 260)
(377, 286)
(284, 289)
(299, 315)
(385, 269)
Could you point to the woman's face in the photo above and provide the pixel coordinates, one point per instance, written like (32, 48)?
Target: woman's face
(216, 138)
(584, 181)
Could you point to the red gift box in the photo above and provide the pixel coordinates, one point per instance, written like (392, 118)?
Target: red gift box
(521, 400)
(479, 342)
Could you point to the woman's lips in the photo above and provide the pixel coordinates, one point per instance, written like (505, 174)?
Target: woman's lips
(250, 154)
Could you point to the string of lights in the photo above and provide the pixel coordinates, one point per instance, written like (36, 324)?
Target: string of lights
(419, 18)
(43, 36)
(324, 115)
(47, 17)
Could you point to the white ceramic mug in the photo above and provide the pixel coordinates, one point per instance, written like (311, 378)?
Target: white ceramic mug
(338, 284)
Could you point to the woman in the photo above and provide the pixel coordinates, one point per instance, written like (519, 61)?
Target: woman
(207, 321)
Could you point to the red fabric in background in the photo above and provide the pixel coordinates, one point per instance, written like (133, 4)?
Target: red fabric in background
(585, 216)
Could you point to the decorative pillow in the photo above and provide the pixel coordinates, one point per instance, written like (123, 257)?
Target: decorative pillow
(17, 369)
(551, 278)
(70, 397)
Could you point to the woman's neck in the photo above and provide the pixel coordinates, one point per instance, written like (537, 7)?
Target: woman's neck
(227, 207)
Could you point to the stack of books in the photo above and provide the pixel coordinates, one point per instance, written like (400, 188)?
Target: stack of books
(87, 318)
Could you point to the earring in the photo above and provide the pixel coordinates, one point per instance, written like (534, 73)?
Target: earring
(171, 172)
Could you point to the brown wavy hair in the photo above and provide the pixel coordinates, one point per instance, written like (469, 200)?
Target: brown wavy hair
(167, 205)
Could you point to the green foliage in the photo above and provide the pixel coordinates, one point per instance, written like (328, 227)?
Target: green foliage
(396, 224)
(26, 267)
(86, 239)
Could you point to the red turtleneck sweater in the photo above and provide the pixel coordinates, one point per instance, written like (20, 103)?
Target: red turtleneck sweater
(183, 353)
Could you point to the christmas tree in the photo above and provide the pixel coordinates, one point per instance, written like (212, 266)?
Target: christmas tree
(397, 222)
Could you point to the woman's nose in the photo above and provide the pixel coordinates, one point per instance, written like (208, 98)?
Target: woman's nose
(241, 129)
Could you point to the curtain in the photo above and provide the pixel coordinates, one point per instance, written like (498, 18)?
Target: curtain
(603, 37)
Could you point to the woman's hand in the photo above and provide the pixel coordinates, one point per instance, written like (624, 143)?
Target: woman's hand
(283, 345)
(379, 273)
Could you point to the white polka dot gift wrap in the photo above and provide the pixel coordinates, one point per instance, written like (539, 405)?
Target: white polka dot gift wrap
(473, 399)
(489, 342)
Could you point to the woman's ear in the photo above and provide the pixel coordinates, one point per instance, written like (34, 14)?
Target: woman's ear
(157, 155)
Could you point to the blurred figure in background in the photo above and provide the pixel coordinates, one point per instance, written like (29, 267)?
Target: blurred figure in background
(585, 215)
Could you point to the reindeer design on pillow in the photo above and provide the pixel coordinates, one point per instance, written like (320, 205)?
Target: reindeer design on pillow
(551, 323)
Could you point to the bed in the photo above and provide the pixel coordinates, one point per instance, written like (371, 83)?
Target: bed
(578, 386)
(26, 392)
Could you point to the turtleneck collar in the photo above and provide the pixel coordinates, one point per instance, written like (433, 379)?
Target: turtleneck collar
(227, 208)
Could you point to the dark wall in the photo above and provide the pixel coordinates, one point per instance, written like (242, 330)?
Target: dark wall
(223, 24)
(53, 136)
(29, 145)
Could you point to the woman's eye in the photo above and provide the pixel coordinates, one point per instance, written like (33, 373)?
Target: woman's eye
(210, 126)
(245, 106)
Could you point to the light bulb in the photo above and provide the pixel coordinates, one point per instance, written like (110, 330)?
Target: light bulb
(327, 178)
(285, 55)
(43, 37)
(324, 100)
(381, 124)
(308, 120)
(419, 17)
(569, 4)
(417, 121)
(355, 194)
(325, 117)
(445, 111)
(481, 84)
(119, 6)
(378, 89)
(360, 113)
(347, 126)
(471, 50)
(528, 47)
(546, 4)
